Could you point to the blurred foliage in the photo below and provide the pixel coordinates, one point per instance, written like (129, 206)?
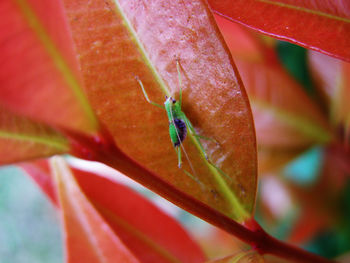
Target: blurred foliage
(294, 59)
(306, 168)
(336, 240)
(29, 225)
(305, 172)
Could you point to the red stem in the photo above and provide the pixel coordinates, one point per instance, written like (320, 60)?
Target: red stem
(105, 151)
(271, 245)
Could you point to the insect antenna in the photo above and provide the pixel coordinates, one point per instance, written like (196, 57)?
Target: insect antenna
(194, 176)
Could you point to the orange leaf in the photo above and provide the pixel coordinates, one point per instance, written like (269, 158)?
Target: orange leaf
(130, 40)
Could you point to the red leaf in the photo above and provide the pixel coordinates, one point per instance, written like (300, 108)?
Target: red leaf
(39, 75)
(22, 139)
(286, 119)
(39, 171)
(322, 25)
(150, 234)
(88, 238)
(284, 115)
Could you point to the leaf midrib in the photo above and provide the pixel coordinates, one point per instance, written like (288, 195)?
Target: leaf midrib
(50, 142)
(306, 10)
(142, 49)
(303, 124)
(237, 211)
(57, 58)
(137, 233)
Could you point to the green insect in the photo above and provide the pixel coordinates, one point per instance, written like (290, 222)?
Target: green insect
(179, 127)
(179, 124)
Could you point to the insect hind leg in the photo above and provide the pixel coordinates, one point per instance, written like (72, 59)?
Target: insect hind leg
(205, 138)
(178, 151)
(194, 178)
(193, 132)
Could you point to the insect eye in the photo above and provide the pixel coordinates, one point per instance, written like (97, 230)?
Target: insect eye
(173, 100)
(166, 97)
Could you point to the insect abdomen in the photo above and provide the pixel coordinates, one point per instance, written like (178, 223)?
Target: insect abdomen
(177, 131)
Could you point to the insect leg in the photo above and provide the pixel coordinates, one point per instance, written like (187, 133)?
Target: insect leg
(206, 138)
(193, 132)
(146, 96)
(178, 151)
(195, 179)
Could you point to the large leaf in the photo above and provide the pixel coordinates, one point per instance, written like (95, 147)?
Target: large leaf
(322, 25)
(23, 139)
(39, 75)
(88, 238)
(118, 43)
(150, 234)
(286, 119)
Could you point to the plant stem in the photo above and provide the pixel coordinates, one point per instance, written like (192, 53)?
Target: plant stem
(266, 244)
(275, 247)
(105, 151)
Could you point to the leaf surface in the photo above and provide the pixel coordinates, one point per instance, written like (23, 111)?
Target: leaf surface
(88, 238)
(23, 139)
(39, 74)
(136, 40)
(322, 25)
(39, 171)
(150, 234)
(285, 117)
